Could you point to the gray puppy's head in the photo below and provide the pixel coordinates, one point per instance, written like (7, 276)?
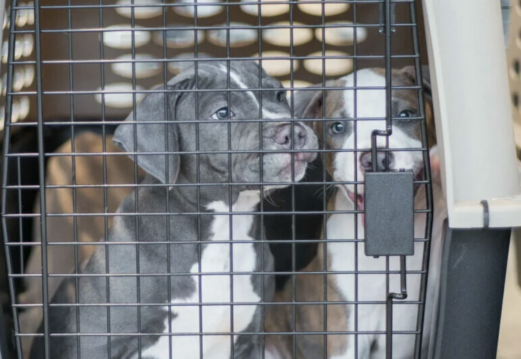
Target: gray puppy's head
(216, 122)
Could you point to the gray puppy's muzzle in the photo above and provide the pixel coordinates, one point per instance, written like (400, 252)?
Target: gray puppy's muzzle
(282, 141)
(296, 138)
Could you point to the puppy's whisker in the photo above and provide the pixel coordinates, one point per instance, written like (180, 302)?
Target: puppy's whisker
(311, 166)
(320, 192)
(267, 197)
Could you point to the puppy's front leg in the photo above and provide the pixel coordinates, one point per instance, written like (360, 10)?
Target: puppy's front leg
(309, 318)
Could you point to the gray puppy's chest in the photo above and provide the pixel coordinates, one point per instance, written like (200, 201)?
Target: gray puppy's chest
(215, 286)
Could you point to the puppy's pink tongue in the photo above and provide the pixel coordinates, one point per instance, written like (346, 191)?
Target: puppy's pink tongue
(360, 206)
(360, 202)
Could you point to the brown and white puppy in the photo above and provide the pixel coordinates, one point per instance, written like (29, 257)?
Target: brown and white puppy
(357, 283)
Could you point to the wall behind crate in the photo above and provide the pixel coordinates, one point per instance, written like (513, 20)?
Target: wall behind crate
(79, 26)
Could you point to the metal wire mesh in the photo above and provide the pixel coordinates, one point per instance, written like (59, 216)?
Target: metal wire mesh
(70, 192)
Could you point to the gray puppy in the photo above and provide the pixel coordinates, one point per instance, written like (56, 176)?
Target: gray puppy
(178, 246)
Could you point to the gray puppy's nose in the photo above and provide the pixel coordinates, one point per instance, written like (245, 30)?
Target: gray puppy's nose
(384, 161)
(283, 136)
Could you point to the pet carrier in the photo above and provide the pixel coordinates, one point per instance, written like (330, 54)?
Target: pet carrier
(252, 179)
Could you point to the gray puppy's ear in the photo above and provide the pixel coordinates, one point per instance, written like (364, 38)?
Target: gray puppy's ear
(161, 138)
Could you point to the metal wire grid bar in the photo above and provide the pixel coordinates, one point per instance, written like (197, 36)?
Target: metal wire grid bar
(74, 122)
(185, 4)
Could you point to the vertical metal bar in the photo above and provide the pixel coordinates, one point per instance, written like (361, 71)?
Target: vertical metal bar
(292, 179)
(41, 178)
(167, 175)
(389, 307)
(388, 18)
(20, 211)
(374, 146)
(198, 181)
(230, 179)
(20, 240)
(355, 163)
(293, 227)
(428, 186)
(2, 12)
(388, 78)
(261, 172)
(104, 149)
(388, 70)
(261, 179)
(73, 179)
(136, 179)
(7, 133)
(323, 119)
(293, 246)
(388, 131)
(389, 312)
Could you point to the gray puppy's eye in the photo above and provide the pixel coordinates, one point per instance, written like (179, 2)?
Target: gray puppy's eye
(338, 128)
(222, 114)
(280, 96)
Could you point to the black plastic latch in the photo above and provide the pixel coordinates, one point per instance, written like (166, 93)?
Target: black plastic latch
(389, 213)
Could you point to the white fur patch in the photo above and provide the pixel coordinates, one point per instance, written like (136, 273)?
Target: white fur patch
(266, 114)
(237, 79)
(216, 289)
